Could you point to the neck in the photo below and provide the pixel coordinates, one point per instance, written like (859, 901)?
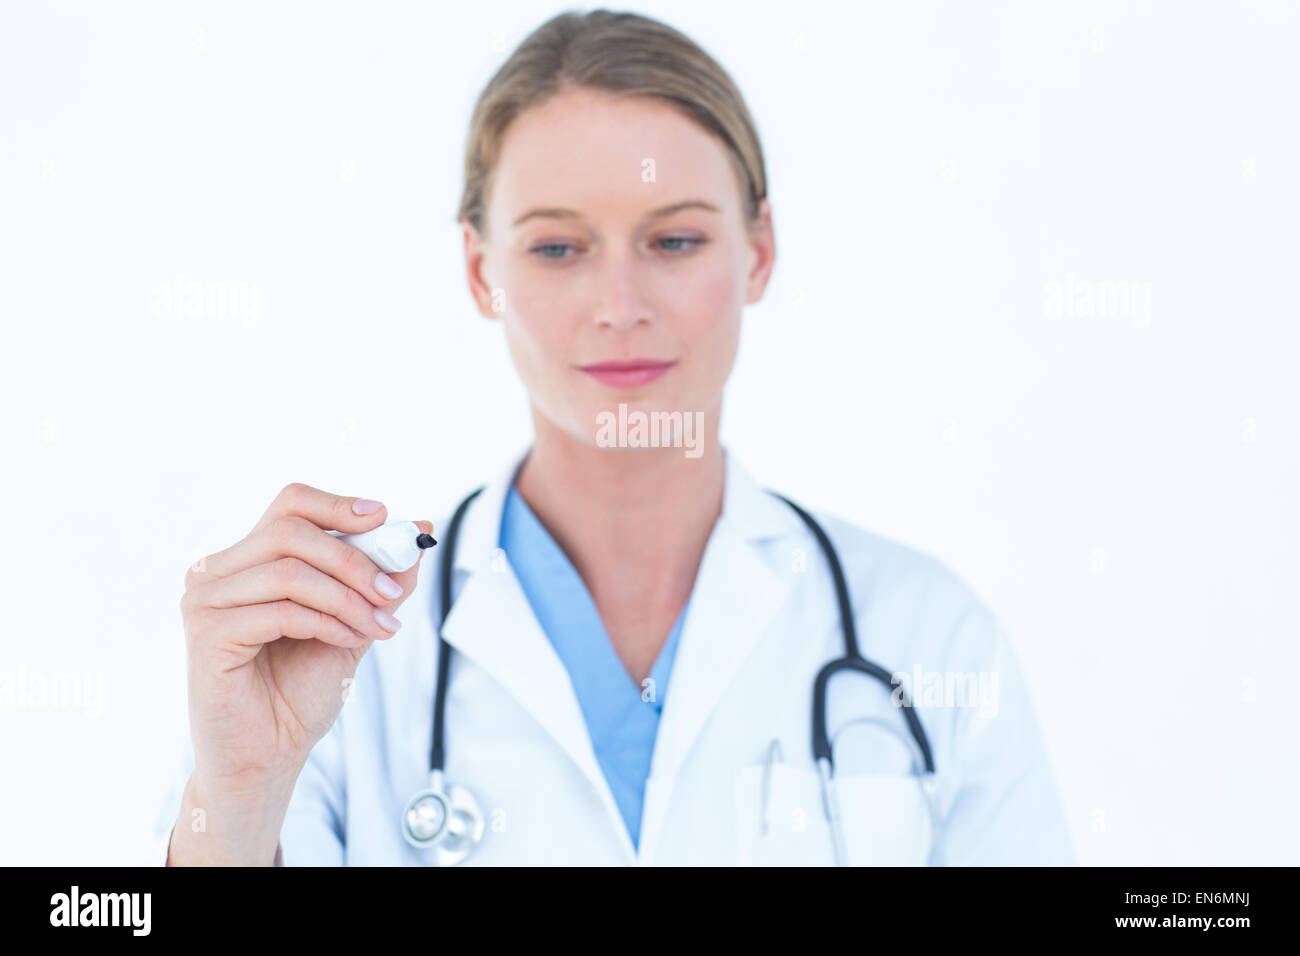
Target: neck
(634, 521)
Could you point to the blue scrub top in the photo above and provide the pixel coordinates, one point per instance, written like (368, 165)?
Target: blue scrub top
(622, 718)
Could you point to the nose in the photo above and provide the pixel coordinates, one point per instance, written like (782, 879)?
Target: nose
(620, 300)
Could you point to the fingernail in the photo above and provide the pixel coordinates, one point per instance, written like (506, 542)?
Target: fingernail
(364, 506)
(387, 586)
(386, 620)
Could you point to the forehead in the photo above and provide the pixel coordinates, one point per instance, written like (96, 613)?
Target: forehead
(587, 150)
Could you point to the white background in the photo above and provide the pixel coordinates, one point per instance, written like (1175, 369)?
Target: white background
(1120, 487)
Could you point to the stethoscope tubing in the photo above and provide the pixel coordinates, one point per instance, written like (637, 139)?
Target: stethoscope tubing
(437, 755)
(852, 659)
(821, 745)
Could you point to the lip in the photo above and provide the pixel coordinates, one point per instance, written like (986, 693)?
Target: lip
(628, 373)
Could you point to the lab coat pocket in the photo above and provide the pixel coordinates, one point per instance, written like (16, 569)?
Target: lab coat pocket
(886, 819)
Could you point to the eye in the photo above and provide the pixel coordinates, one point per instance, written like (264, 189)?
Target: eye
(551, 250)
(686, 243)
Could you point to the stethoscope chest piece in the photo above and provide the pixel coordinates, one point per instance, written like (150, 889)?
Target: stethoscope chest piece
(445, 820)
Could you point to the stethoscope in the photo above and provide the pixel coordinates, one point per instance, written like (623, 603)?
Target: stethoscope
(448, 820)
(852, 660)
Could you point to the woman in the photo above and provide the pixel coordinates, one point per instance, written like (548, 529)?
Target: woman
(637, 625)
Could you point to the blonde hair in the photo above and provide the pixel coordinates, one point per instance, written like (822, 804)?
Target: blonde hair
(624, 54)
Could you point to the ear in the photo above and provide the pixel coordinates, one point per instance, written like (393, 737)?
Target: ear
(480, 286)
(762, 242)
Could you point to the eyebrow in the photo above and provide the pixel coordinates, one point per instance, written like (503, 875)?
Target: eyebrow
(554, 212)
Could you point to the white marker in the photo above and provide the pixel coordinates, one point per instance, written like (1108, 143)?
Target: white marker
(394, 545)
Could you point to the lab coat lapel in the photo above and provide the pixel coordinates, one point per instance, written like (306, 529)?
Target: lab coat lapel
(735, 601)
(492, 623)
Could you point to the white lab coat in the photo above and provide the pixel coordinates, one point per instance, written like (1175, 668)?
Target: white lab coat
(762, 620)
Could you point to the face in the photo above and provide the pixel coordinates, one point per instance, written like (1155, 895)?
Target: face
(615, 234)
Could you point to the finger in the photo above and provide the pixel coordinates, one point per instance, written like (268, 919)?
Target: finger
(328, 511)
(295, 536)
(256, 624)
(296, 580)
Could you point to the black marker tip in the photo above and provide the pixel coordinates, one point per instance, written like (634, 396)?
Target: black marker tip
(425, 541)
